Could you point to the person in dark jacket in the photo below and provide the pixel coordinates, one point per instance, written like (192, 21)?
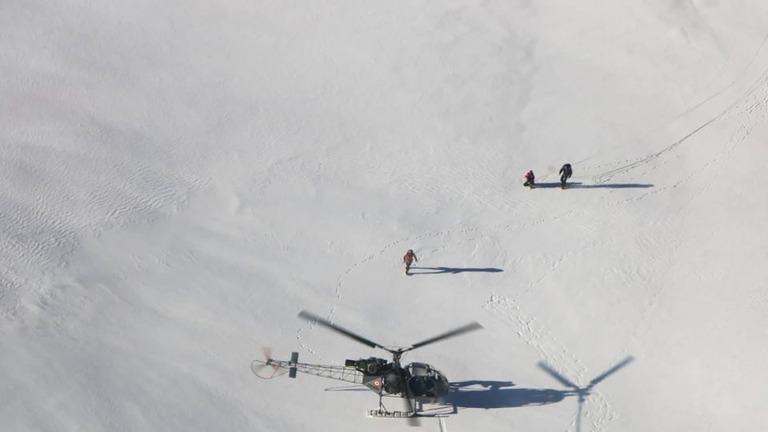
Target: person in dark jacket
(565, 173)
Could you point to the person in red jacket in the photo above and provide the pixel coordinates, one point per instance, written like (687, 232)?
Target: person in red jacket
(408, 259)
(530, 179)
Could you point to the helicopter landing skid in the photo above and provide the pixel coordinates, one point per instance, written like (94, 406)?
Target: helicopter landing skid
(390, 414)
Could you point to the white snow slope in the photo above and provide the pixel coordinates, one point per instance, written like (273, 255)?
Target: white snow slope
(181, 178)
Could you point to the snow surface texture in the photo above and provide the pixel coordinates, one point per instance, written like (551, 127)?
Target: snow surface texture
(181, 178)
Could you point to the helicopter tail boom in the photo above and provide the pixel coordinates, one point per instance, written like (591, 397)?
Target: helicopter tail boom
(293, 367)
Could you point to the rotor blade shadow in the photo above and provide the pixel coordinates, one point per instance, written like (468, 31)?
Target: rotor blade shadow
(453, 270)
(583, 392)
(611, 371)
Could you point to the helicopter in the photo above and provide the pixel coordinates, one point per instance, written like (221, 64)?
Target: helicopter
(386, 378)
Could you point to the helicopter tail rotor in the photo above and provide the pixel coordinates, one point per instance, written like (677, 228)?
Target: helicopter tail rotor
(266, 369)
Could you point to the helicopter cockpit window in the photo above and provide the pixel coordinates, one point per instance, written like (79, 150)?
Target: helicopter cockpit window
(423, 379)
(423, 369)
(420, 369)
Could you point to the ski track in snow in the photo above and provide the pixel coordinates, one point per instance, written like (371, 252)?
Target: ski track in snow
(754, 97)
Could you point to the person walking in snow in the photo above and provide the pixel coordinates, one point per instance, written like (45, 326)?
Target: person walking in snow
(530, 179)
(408, 259)
(565, 173)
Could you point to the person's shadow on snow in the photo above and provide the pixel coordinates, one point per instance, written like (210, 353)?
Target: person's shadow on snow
(578, 185)
(453, 270)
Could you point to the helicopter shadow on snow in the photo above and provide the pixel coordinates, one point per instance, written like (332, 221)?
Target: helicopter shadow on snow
(478, 394)
(451, 270)
(578, 185)
(498, 394)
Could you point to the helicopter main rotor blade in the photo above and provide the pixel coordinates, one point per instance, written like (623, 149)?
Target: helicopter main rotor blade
(455, 332)
(325, 323)
(561, 379)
